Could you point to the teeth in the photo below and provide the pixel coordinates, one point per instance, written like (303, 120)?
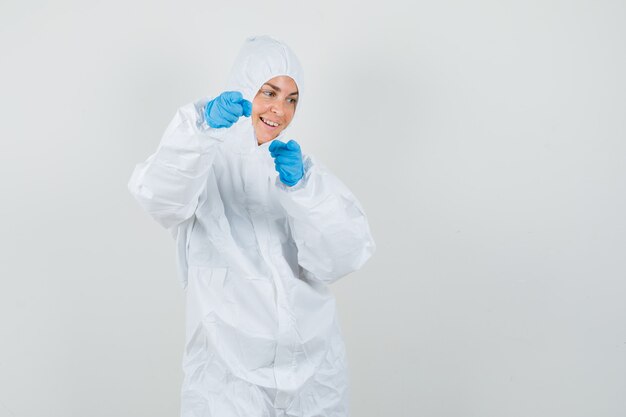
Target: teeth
(268, 122)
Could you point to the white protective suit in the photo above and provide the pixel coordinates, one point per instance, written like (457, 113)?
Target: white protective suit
(255, 258)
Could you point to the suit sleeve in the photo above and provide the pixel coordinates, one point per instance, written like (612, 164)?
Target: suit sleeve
(327, 223)
(168, 184)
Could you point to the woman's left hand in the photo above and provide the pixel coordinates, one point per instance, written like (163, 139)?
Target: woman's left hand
(288, 161)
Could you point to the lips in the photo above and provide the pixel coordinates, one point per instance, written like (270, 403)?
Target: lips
(269, 123)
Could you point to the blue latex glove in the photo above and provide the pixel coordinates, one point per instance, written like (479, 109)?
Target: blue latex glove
(226, 109)
(288, 161)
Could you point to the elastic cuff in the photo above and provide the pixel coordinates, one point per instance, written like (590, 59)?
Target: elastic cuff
(202, 125)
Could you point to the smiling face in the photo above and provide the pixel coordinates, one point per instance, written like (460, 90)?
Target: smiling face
(273, 107)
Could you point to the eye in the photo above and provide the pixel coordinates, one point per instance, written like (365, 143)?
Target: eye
(292, 100)
(268, 93)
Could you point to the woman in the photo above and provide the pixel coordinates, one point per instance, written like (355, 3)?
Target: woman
(261, 231)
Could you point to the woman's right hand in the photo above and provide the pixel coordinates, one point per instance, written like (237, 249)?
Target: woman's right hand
(226, 109)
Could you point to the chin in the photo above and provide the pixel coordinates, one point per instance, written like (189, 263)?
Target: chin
(264, 137)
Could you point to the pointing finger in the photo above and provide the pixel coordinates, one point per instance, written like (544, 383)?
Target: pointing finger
(232, 96)
(247, 108)
(292, 145)
(276, 146)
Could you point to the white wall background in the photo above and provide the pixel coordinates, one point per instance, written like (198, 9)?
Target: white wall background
(486, 140)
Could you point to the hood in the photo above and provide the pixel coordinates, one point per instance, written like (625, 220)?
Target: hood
(260, 59)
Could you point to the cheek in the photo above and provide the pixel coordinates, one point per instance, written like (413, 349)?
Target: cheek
(257, 109)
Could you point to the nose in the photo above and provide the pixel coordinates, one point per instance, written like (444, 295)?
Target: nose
(278, 108)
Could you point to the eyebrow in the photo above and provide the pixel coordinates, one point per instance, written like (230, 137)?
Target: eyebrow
(278, 89)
